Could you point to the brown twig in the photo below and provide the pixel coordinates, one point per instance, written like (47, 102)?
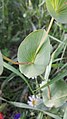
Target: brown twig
(16, 63)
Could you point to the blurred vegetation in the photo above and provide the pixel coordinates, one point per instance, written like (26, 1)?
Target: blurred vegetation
(17, 19)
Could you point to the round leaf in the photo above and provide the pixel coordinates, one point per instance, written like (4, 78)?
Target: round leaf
(58, 94)
(1, 64)
(27, 51)
(58, 9)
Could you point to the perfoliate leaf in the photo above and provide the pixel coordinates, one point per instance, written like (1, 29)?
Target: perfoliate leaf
(1, 64)
(27, 53)
(58, 9)
(58, 94)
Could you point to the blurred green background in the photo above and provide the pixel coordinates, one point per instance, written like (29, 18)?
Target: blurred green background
(17, 19)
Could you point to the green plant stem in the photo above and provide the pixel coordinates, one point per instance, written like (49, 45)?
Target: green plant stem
(41, 77)
(49, 92)
(43, 39)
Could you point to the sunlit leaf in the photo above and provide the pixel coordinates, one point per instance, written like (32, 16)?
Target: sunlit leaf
(58, 94)
(27, 51)
(58, 9)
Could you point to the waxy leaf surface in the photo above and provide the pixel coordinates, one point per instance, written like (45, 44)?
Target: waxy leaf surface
(27, 53)
(58, 10)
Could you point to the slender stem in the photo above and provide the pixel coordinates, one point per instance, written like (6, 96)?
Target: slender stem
(41, 77)
(43, 39)
(16, 63)
(49, 93)
(41, 43)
